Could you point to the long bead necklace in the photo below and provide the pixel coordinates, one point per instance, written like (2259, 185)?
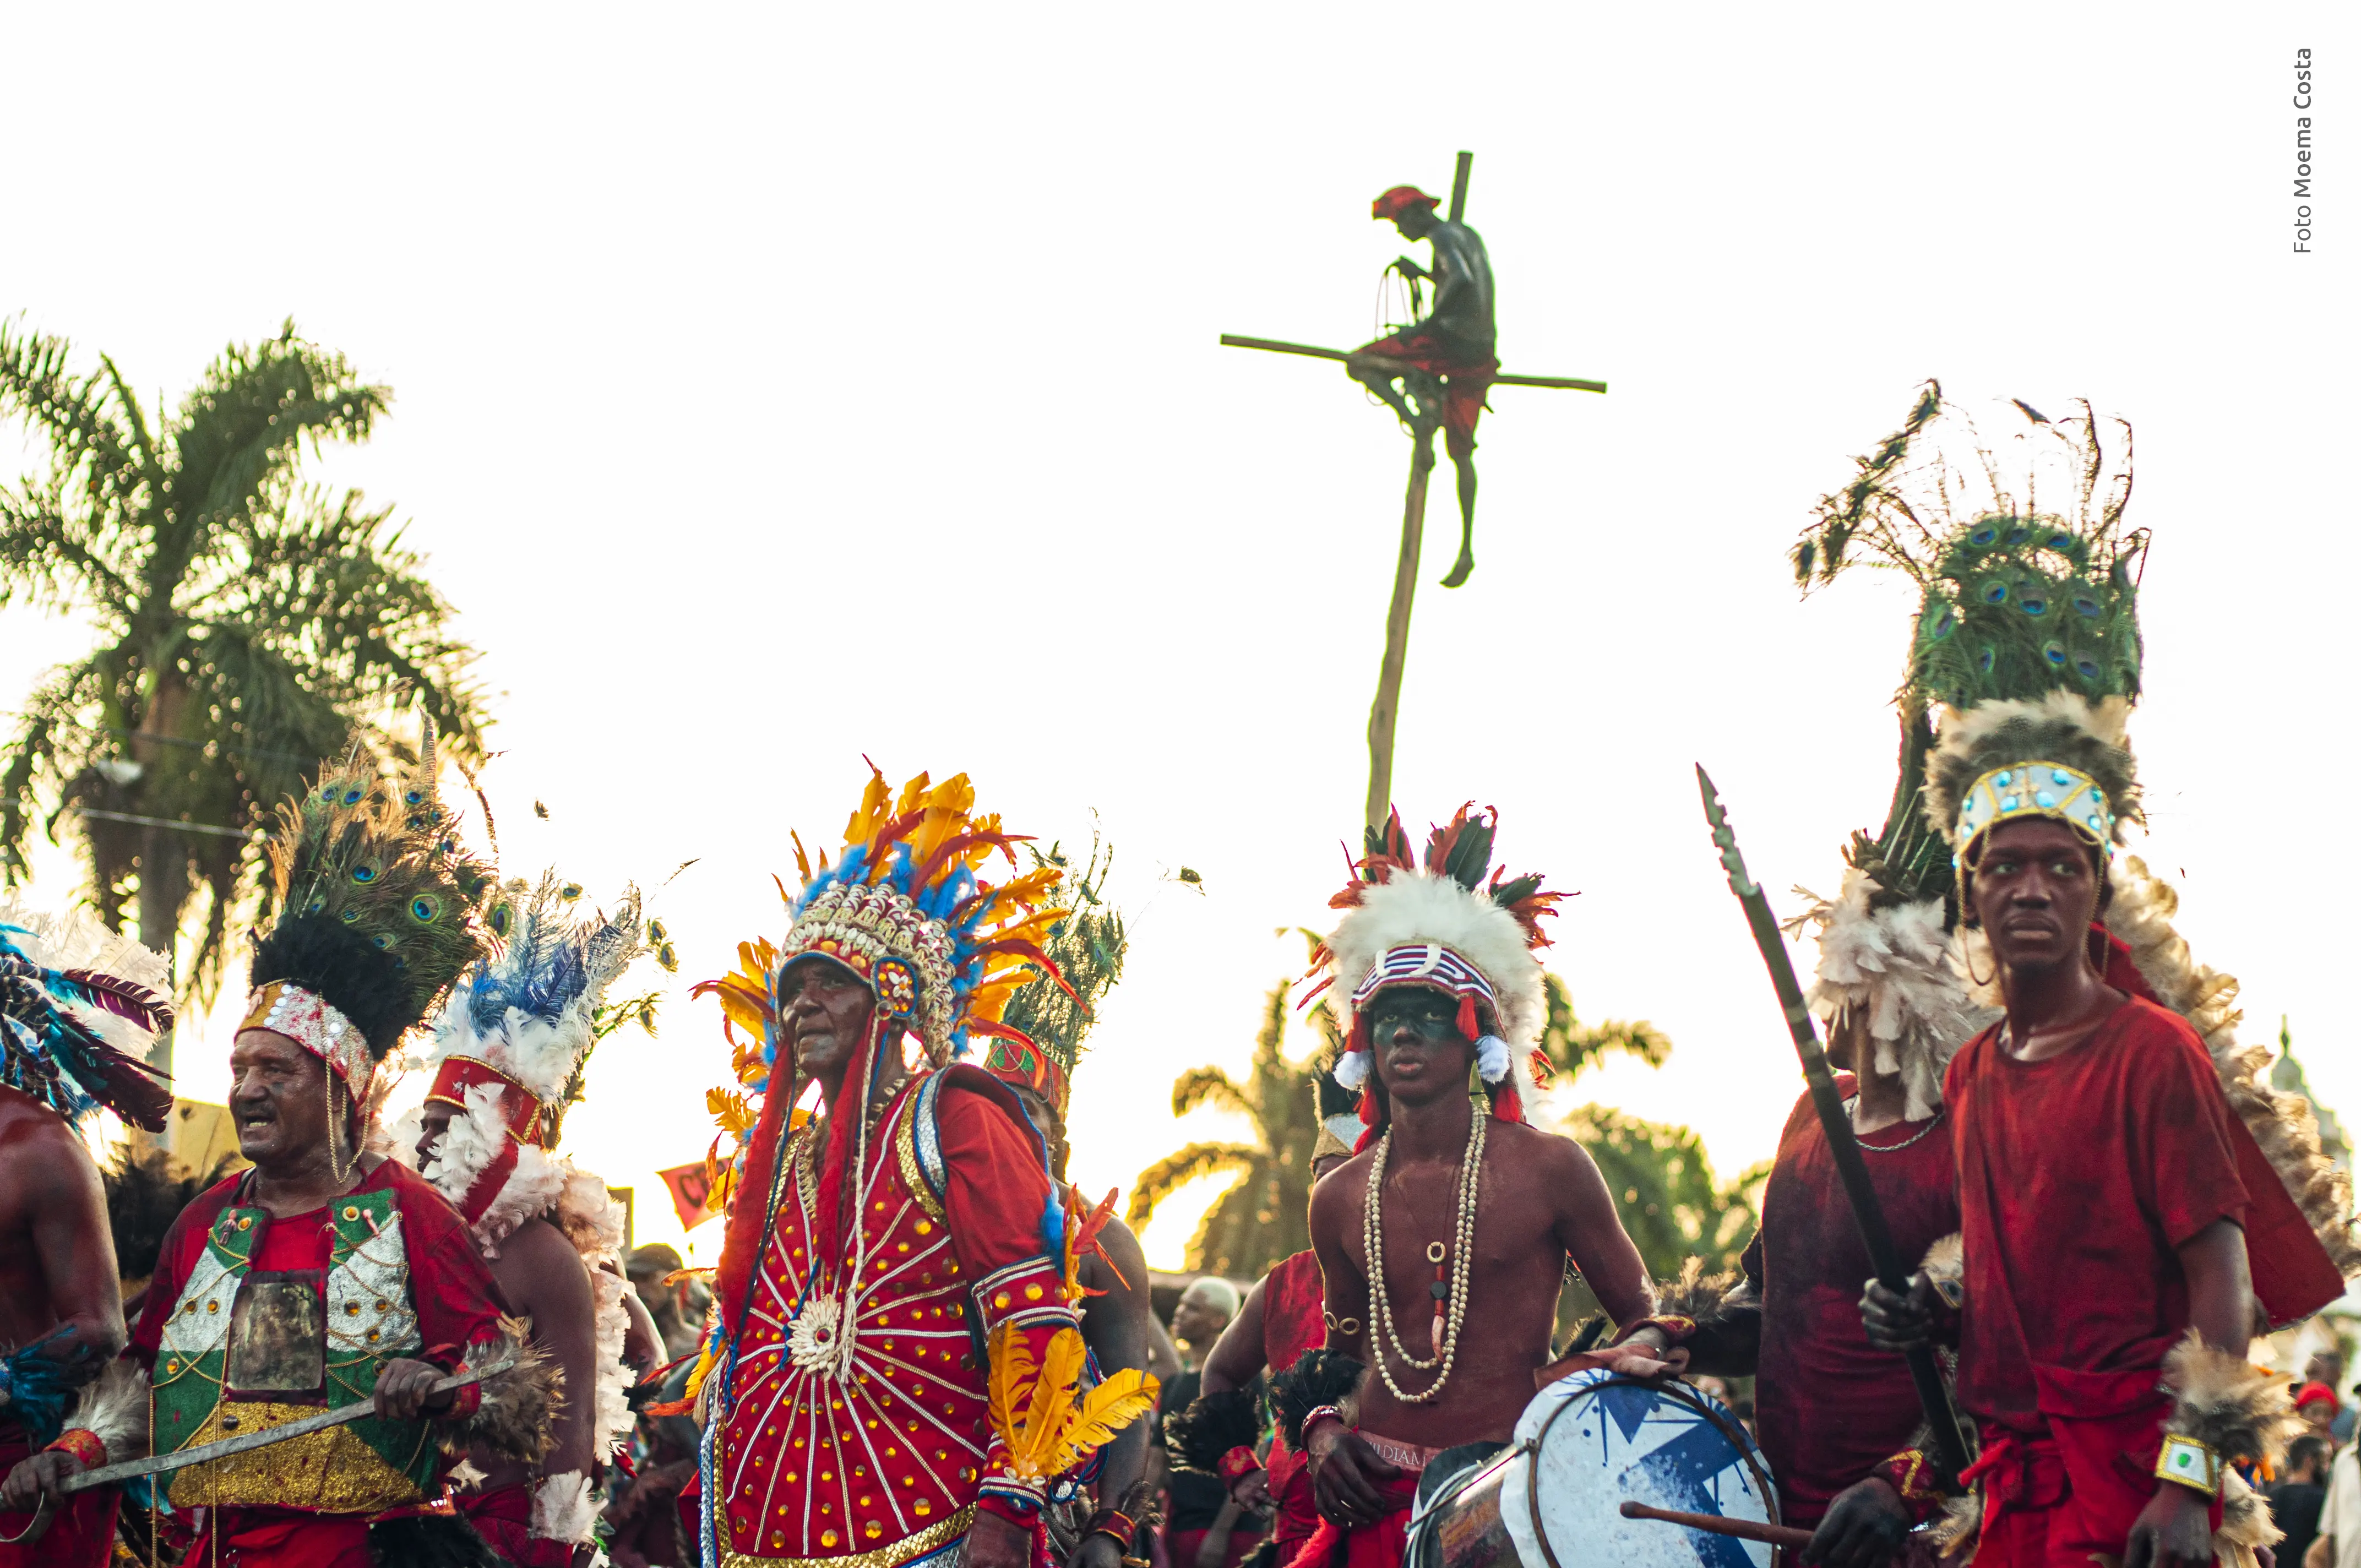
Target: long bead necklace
(1444, 1337)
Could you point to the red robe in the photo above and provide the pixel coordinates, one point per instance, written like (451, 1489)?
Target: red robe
(1828, 1409)
(81, 1537)
(2079, 1177)
(455, 1303)
(890, 1464)
(1292, 1324)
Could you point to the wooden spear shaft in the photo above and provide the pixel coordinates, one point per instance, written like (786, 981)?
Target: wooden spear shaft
(1383, 711)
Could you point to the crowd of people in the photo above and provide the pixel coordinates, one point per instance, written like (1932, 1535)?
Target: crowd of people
(417, 1341)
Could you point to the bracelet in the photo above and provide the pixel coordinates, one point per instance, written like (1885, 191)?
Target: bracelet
(87, 1447)
(1112, 1522)
(1238, 1462)
(1321, 1413)
(1677, 1330)
(2190, 1462)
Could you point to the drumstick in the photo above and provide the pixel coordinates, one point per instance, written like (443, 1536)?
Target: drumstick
(1714, 1524)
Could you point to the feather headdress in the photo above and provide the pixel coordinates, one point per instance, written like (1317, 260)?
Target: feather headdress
(1441, 926)
(1045, 1024)
(79, 1006)
(376, 904)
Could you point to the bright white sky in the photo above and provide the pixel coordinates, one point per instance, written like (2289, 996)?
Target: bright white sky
(778, 384)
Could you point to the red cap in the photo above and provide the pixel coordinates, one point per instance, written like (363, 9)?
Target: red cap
(1399, 200)
(2314, 1394)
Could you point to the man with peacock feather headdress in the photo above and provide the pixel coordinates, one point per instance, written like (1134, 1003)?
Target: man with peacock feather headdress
(896, 1369)
(2131, 1202)
(327, 1275)
(512, 1045)
(79, 1006)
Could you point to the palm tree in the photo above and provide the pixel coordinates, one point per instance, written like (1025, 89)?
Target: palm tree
(1262, 1217)
(1664, 1187)
(249, 624)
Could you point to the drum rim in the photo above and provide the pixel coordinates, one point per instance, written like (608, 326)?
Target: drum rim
(1679, 1391)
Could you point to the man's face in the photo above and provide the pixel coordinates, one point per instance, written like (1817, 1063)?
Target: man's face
(433, 1121)
(1198, 1321)
(2319, 1418)
(1846, 1035)
(278, 1098)
(1415, 221)
(2034, 894)
(825, 1009)
(1421, 1054)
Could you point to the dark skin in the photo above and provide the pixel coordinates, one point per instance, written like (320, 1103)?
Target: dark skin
(541, 1274)
(1238, 1360)
(279, 1097)
(1540, 1201)
(1119, 1327)
(2033, 888)
(57, 1263)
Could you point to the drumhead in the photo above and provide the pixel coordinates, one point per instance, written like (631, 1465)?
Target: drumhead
(1594, 1440)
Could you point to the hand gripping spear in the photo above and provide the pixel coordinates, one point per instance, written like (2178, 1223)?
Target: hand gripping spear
(1950, 1450)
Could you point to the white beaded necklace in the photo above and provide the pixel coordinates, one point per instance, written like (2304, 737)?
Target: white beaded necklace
(1446, 1339)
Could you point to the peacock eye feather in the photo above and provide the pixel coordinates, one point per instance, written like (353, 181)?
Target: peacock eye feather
(382, 941)
(350, 917)
(414, 796)
(367, 870)
(315, 903)
(1984, 661)
(2086, 606)
(426, 908)
(501, 919)
(570, 892)
(2055, 653)
(1994, 591)
(2090, 669)
(353, 797)
(2033, 601)
(2018, 535)
(1982, 534)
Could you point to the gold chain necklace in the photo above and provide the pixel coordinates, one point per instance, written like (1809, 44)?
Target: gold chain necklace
(1445, 1341)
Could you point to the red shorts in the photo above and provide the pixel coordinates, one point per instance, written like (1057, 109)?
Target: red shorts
(1378, 1545)
(1466, 381)
(504, 1519)
(81, 1537)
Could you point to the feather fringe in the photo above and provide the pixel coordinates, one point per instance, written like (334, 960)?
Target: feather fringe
(1946, 1261)
(2057, 727)
(1320, 1376)
(514, 1419)
(1428, 906)
(564, 1508)
(2283, 1125)
(114, 1410)
(1699, 1297)
(1212, 1425)
(2236, 1409)
(1893, 968)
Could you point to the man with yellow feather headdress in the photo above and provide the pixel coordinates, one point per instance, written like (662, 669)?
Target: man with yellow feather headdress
(895, 1371)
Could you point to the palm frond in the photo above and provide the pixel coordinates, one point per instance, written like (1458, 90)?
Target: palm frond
(1209, 1086)
(244, 424)
(1179, 1168)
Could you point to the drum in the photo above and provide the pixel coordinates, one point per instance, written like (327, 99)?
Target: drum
(1583, 1447)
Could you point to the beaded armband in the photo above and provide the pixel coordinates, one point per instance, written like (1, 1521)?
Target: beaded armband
(2190, 1462)
(1911, 1473)
(1030, 1293)
(1113, 1523)
(87, 1448)
(1237, 1463)
(1314, 1417)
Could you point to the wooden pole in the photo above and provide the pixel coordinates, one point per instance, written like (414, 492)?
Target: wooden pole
(1273, 346)
(1383, 711)
(1714, 1524)
(1459, 187)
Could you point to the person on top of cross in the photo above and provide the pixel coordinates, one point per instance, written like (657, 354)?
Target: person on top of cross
(1453, 343)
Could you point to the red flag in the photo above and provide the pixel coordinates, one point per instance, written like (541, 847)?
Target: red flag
(689, 1185)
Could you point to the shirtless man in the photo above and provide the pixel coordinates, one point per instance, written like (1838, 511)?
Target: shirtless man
(1474, 1214)
(61, 1306)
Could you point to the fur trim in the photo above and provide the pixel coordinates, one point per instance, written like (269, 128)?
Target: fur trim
(465, 1477)
(2283, 1125)
(518, 1407)
(1956, 1530)
(1892, 967)
(1352, 1069)
(430, 1540)
(1700, 1296)
(1212, 1425)
(1492, 1058)
(1945, 1262)
(2058, 727)
(2236, 1409)
(565, 1509)
(114, 1409)
(1426, 906)
(1320, 1376)
(2246, 1519)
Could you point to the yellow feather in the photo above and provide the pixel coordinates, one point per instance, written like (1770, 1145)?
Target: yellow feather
(911, 793)
(1053, 1398)
(1105, 1411)
(1012, 1372)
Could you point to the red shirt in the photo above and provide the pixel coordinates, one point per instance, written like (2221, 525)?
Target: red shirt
(2079, 1177)
(1294, 1321)
(1828, 1407)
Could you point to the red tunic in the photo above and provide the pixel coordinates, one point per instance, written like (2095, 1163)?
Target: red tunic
(880, 1453)
(82, 1536)
(457, 1305)
(2079, 1177)
(1828, 1407)
(1293, 1321)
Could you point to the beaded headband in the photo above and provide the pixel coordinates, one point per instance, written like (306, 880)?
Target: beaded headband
(2035, 789)
(313, 1021)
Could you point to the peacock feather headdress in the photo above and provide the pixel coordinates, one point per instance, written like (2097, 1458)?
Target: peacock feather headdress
(2025, 649)
(377, 905)
(79, 1006)
(1446, 926)
(1047, 1024)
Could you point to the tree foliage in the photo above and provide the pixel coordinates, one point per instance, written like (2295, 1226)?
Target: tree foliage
(1665, 1190)
(249, 624)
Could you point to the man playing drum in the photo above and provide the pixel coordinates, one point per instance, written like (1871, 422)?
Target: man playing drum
(1465, 1219)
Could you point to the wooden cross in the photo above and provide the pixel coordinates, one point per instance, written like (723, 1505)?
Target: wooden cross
(1383, 711)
